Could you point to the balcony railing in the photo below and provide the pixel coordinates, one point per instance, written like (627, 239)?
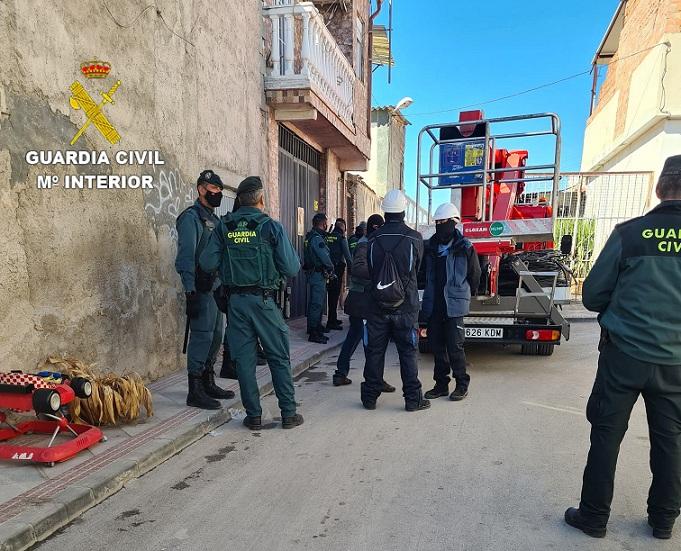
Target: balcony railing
(319, 64)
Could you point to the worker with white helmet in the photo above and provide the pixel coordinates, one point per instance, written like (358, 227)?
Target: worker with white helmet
(394, 253)
(450, 274)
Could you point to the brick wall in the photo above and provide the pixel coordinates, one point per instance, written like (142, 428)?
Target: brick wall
(645, 23)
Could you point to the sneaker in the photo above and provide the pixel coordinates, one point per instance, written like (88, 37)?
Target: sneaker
(387, 387)
(335, 325)
(459, 394)
(253, 423)
(369, 405)
(341, 380)
(660, 533)
(437, 392)
(423, 404)
(292, 422)
(574, 518)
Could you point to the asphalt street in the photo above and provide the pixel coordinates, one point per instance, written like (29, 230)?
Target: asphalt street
(493, 472)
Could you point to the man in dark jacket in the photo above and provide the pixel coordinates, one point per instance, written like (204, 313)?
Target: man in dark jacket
(340, 256)
(360, 231)
(635, 286)
(398, 245)
(358, 308)
(451, 271)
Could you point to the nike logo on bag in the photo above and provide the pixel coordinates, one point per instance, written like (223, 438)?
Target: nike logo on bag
(380, 286)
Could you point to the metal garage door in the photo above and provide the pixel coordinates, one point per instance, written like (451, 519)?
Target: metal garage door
(298, 189)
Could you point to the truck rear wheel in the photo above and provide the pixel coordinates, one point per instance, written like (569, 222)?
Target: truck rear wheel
(535, 349)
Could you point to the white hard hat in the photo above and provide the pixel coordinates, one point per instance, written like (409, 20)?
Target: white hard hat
(446, 211)
(394, 201)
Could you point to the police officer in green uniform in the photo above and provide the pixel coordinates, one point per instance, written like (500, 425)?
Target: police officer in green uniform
(635, 286)
(360, 231)
(254, 255)
(194, 228)
(340, 257)
(317, 266)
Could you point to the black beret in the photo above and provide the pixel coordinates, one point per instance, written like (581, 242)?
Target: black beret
(252, 183)
(209, 177)
(672, 166)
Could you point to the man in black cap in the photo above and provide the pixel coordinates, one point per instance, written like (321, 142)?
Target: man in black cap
(635, 286)
(254, 255)
(318, 266)
(194, 228)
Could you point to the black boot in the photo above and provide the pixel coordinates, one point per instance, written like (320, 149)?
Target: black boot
(197, 396)
(573, 517)
(437, 392)
(213, 390)
(292, 422)
(318, 337)
(228, 370)
(261, 359)
(253, 423)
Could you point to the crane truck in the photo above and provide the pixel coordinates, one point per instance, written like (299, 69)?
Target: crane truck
(524, 280)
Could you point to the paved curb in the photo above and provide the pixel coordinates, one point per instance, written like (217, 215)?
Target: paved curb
(38, 523)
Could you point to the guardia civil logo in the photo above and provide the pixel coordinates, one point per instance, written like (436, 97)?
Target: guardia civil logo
(94, 112)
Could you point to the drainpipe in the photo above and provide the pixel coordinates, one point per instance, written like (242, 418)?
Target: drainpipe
(379, 4)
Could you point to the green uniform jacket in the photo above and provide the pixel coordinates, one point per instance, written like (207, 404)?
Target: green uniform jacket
(635, 285)
(319, 250)
(285, 257)
(189, 231)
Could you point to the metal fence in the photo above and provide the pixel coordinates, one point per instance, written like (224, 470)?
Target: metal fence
(590, 205)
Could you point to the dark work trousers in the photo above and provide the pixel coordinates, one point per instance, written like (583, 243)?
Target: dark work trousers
(402, 330)
(352, 339)
(446, 337)
(619, 382)
(334, 290)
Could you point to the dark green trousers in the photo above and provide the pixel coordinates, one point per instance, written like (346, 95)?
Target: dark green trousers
(205, 336)
(619, 382)
(315, 300)
(251, 317)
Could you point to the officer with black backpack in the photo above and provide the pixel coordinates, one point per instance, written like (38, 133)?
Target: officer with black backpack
(254, 255)
(394, 257)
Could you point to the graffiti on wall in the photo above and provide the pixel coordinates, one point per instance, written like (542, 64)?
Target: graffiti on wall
(169, 196)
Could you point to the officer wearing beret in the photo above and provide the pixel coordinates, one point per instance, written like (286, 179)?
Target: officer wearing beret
(635, 288)
(254, 255)
(194, 228)
(317, 266)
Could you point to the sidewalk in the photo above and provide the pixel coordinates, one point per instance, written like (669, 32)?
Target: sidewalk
(576, 312)
(36, 500)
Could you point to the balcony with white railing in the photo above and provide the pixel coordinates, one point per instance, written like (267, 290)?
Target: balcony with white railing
(305, 55)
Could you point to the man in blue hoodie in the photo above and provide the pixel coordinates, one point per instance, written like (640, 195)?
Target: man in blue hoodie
(451, 272)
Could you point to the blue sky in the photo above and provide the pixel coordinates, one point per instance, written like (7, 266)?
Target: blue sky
(450, 53)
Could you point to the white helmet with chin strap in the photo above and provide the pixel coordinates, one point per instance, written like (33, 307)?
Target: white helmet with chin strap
(446, 211)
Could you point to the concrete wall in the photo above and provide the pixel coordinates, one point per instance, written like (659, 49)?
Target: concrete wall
(386, 166)
(638, 101)
(91, 272)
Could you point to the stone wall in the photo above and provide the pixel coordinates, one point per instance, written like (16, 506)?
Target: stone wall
(90, 272)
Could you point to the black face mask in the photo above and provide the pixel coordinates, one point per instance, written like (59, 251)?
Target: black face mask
(445, 231)
(214, 199)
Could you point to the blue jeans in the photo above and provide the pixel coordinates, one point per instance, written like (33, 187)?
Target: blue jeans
(355, 334)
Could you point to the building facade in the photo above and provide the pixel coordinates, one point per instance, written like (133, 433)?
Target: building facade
(317, 90)
(635, 121)
(90, 272)
(388, 138)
